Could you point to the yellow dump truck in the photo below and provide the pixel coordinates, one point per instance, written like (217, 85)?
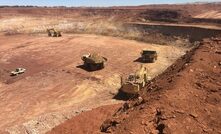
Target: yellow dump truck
(149, 56)
(93, 61)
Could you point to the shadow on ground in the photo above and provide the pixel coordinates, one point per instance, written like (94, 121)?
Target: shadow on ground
(87, 69)
(123, 96)
(141, 61)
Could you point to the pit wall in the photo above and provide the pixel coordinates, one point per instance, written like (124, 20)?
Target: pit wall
(205, 20)
(191, 33)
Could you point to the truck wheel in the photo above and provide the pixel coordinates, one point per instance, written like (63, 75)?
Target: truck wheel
(101, 65)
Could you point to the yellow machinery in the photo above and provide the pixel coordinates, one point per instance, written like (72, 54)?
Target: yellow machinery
(135, 82)
(53, 33)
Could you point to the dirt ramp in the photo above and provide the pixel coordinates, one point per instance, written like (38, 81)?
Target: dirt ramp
(211, 14)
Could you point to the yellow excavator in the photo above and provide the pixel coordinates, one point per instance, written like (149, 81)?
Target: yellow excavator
(53, 33)
(135, 81)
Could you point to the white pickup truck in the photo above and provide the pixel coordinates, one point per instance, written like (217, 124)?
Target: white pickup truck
(17, 71)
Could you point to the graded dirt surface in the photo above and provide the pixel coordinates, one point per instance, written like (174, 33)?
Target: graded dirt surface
(55, 86)
(184, 99)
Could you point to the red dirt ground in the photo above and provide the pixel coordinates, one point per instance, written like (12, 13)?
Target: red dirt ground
(93, 119)
(54, 87)
(184, 99)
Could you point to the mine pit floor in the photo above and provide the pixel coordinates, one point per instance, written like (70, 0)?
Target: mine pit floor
(54, 87)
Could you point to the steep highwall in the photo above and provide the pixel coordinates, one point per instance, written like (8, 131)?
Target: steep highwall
(189, 32)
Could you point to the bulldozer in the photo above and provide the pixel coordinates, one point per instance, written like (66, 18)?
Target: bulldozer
(135, 81)
(53, 33)
(93, 61)
(149, 56)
